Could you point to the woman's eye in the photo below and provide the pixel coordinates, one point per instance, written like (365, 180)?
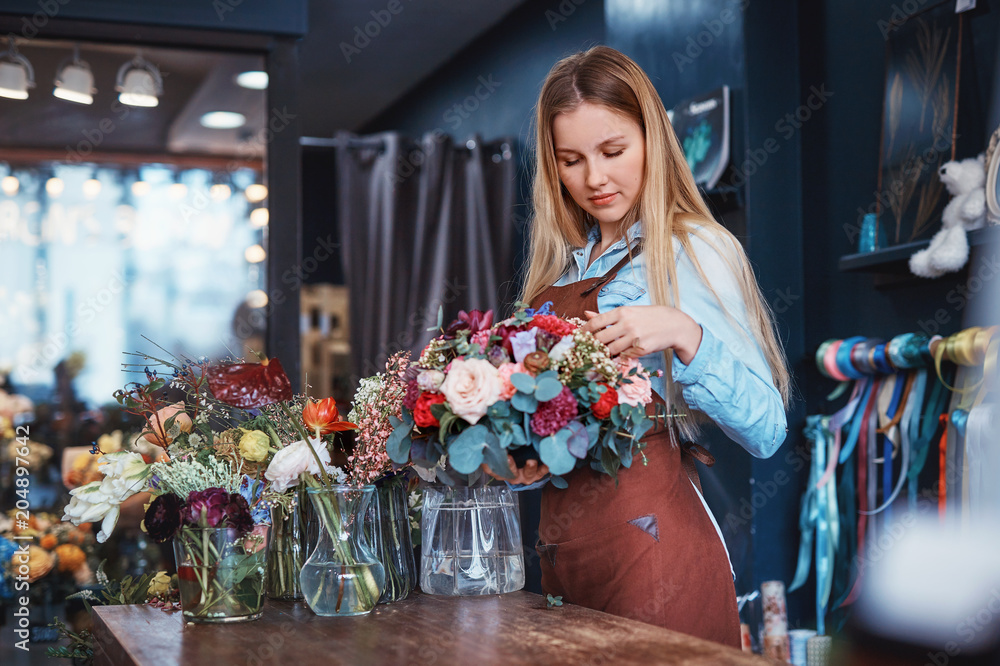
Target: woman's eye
(570, 163)
(614, 154)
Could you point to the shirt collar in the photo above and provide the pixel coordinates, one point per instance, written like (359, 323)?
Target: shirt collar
(635, 231)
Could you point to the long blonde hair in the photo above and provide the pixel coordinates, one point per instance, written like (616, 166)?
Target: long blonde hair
(669, 205)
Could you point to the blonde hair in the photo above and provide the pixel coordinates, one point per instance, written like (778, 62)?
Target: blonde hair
(669, 204)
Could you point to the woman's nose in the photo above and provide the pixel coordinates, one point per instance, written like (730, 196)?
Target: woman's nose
(596, 177)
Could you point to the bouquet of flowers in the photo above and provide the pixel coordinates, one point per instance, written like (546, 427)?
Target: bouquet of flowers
(57, 552)
(535, 385)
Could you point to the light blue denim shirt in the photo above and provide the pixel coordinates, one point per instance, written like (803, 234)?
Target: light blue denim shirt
(729, 378)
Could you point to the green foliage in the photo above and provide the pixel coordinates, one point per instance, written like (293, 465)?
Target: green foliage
(80, 648)
(553, 602)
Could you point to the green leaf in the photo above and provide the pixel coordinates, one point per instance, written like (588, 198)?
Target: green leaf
(523, 402)
(465, 452)
(554, 453)
(499, 410)
(398, 444)
(616, 416)
(496, 460)
(547, 389)
(523, 382)
(559, 482)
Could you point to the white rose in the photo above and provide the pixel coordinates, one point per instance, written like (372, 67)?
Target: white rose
(430, 380)
(295, 459)
(559, 349)
(471, 386)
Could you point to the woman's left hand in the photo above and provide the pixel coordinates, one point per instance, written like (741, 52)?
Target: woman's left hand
(637, 330)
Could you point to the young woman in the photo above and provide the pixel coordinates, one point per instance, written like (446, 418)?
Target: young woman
(621, 237)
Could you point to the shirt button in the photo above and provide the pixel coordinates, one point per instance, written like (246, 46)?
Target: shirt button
(603, 291)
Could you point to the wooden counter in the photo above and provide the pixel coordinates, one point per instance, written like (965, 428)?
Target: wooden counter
(423, 630)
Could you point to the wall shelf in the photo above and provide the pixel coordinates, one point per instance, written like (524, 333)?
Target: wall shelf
(895, 260)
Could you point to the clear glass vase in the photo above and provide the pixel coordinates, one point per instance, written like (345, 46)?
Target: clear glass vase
(342, 575)
(389, 530)
(284, 559)
(471, 541)
(221, 574)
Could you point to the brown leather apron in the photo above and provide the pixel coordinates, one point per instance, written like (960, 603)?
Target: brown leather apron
(646, 549)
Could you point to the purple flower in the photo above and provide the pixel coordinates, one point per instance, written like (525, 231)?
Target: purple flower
(497, 356)
(163, 517)
(206, 508)
(237, 514)
(551, 416)
(523, 343)
(474, 321)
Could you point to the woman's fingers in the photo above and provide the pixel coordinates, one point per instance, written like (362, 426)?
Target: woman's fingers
(532, 471)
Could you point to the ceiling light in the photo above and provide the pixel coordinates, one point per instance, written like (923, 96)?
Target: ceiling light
(219, 192)
(177, 190)
(223, 120)
(10, 184)
(139, 83)
(141, 188)
(54, 186)
(255, 254)
(259, 218)
(91, 188)
(74, 80)
(16, 73)
(255, 193)
(254, 80)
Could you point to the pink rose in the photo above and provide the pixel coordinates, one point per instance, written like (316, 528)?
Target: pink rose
(471, 386)
(638, 391)
(507, 390)
(157, 424)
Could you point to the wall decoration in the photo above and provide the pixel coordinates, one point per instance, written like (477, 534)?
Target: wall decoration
(702, 127)
(918, 124)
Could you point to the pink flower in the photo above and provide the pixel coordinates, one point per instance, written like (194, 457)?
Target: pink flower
(481, 338)
(551, 416)
(471, 386)
(157, 424)
(507, 390)
(638, 390)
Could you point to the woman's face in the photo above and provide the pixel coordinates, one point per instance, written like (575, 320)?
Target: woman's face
(601, 156)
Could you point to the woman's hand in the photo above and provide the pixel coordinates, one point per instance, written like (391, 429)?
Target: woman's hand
(532, 472)
(637, 330)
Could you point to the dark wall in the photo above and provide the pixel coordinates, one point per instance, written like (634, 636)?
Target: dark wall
(491, 87)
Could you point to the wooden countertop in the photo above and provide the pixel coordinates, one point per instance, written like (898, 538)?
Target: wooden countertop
(509, 629)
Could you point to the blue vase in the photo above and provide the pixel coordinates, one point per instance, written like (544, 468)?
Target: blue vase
(869, 242)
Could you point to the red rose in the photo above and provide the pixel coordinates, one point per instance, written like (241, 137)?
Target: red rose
(602, 408)
(422, 414)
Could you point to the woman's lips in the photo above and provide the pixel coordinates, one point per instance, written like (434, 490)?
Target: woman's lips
(604, 199)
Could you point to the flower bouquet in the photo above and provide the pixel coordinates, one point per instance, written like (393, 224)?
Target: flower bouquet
(533, 386)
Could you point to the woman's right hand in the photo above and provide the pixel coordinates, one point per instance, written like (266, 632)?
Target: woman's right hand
(532, 472)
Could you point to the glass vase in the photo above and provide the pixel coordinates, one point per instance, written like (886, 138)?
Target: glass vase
(471, 541)
(221, 574)
(388, 525)
(284, 559)
(342, 575)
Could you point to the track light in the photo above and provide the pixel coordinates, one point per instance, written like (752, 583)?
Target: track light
(16, 73)
(139, 83)
(74, 80)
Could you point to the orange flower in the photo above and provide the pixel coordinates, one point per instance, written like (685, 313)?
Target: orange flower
(39, 562)
(70, 557)
(324, 418)
(157, 431)
(48, 542)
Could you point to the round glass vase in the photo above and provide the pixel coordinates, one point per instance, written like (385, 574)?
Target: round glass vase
(284, 549)
(471, 541)
(342, 575)
(388, 526)
(221, 573)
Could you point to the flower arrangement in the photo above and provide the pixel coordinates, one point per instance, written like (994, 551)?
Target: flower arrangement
(58, 552)
(535, 385)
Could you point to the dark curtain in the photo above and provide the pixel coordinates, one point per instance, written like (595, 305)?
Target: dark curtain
(426, 224)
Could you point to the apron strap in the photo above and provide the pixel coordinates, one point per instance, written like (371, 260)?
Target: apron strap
(613, 273)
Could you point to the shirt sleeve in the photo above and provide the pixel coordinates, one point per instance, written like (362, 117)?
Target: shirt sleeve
(728, 378)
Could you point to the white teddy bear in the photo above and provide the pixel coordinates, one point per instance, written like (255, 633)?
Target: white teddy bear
(949, 249)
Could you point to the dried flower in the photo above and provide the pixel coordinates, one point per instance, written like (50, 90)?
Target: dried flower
(536, 362)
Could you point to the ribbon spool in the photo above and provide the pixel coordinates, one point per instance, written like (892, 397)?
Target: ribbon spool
(843, 358)
(830, 361)
(906, 351)
(821, 355)
(862, 356)
(967, 348)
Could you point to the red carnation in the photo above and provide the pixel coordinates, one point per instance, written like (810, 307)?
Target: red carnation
(411, 395)
(553, 324)
(422, 414)
(602, 408)
(551, 416)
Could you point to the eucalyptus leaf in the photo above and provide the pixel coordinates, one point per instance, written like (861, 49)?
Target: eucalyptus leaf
(523, 382)
(465, 452)
(547, 389)
(579, 440)
(554, 453)
(616, 416)
(523, 402)
(558, 482)
(398, 445)
(496, 460)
